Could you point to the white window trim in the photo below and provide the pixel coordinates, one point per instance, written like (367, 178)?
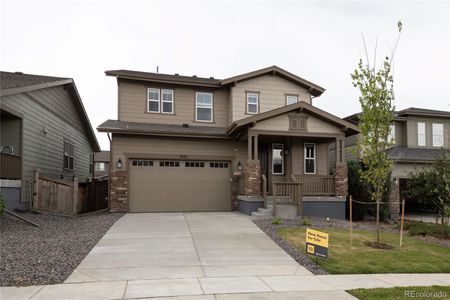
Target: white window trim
(391, 134)
(314, 159)
(434, 135)
(424, 134)
(282, 159)
(69, 156)
(257, 103)
(152, 100)
(212, 108)
(287, 97)
(165, 101)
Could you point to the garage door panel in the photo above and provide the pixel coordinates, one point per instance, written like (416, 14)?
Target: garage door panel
(168, 188)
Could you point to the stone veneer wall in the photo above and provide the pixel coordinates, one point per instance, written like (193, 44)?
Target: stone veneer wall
(118, 191)
(253, 178)
(341, 183)
(234, 191)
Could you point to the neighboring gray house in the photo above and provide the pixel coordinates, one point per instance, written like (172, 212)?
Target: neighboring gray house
(419, 137)
(43, 125)
(101, 163)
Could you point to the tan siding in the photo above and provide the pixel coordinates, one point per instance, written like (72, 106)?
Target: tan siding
(403, 170)
(273, 90)
(177, 146)
(133, 105)
(298, 157)
(281, 123)
(412, 131)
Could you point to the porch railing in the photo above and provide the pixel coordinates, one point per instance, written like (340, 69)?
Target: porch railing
(317, 185)
(11, 166)
(287, 193)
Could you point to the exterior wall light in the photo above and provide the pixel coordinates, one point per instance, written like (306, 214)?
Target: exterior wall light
(119, 164)
(239, 166)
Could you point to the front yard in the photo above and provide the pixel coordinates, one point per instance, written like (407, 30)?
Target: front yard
(422, 252)
(415, 256)
(47, 254)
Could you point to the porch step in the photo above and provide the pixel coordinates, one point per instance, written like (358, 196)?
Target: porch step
(283, 211)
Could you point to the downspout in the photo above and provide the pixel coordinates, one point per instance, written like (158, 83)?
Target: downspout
(109, 169)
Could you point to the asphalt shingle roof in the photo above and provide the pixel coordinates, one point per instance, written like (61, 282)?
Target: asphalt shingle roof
(10, 80)
(132, 127)
(418, 154)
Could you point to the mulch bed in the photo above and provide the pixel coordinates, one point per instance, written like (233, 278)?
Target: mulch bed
(47, 254)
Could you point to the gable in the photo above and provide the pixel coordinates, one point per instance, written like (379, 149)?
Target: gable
(272, 90)
(286, 122)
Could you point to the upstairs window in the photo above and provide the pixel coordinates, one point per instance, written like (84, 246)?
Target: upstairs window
(69, 150)
(153, 100)
(310, 158)
(203, 107)
(438, 135)
(291, 99)
(391, 135)
(167, 101)
(421, 136)
(160, 100)
(252, 103)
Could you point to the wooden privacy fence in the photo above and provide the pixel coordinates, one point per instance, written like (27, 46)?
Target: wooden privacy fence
(288, 193)
(316, 184)
(67, 197)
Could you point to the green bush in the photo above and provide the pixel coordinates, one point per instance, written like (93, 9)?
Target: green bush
(360, 192)
(277, 221)
(424, 229)
(2, 204)
(305, 221)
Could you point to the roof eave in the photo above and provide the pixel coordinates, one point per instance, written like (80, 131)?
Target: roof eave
(29, 88)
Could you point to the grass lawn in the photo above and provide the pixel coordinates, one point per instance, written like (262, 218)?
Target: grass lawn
(422, 292)
(414, 256)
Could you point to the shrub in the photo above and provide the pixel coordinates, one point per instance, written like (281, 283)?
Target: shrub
(305, 221)
(360, 192)
(424, 229)
(2, 204)
(277, 221)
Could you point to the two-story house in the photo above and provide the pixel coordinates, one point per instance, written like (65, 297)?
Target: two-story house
(185, 143)
(419, 137)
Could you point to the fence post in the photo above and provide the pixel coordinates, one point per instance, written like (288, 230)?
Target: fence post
(75, 199)
(36, 189)
(351, 219)
(402, 220)
(274, 199)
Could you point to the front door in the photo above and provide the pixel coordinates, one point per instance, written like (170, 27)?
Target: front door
(263, 156)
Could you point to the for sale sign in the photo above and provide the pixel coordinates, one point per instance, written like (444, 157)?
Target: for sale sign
(316, 243)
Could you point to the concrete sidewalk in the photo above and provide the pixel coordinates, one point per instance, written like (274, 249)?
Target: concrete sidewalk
(249, 287)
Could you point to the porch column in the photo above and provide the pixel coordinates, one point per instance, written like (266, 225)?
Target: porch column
(341, 179)
(255, 148)
(252, 168)
(394, 199)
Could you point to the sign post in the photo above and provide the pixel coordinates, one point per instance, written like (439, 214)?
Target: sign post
(316, 243)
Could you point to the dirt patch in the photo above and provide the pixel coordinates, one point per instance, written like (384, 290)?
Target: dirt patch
(47, 254)
(377, 245)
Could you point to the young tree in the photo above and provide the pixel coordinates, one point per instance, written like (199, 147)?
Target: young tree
(376, 99)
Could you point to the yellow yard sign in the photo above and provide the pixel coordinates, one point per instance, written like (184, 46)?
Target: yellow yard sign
(316, 243)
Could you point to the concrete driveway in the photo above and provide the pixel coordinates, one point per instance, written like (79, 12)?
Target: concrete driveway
(184, 245)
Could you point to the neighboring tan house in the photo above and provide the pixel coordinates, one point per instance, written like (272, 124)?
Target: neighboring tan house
(101, 163)
(419, 137)
(186, 143)
(43, 125)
